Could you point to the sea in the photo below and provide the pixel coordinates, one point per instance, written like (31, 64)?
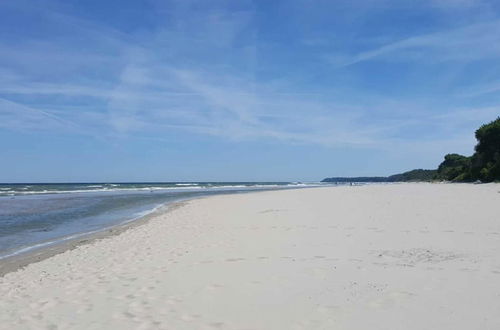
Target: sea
(34, 216)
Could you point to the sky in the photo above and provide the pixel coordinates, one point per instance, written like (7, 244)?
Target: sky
(241, 90)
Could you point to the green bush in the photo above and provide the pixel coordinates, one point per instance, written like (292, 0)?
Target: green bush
(483, 165)
(455, 167)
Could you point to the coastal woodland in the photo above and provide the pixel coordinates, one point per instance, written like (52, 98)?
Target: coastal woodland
(483, 165)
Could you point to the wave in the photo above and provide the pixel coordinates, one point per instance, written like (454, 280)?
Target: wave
(10, 191)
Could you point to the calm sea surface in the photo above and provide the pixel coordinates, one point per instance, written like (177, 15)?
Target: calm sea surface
(37, 215)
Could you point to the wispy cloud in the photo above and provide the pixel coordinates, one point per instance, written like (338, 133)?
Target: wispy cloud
(470, 43)
(200, 73)
(481, 90)
(18, 116)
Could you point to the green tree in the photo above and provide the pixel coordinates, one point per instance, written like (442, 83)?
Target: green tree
(486, 160)
(455, 167)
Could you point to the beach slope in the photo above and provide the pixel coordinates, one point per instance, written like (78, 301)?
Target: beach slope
(399, 256)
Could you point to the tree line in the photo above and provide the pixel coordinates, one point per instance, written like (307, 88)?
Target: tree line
(483, 165)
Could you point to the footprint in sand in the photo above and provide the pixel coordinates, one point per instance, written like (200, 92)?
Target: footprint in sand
(216, 325)
(404, 265)
(214, 286)
(271, 211)
(468, 270)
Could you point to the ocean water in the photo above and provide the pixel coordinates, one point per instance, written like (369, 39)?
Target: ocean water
(34, 216)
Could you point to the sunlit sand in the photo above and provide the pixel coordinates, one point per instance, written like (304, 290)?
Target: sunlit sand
(402, 256)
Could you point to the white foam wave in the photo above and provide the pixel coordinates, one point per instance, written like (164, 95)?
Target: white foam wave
(178, 186)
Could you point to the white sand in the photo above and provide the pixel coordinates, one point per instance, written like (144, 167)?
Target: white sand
(406, 256)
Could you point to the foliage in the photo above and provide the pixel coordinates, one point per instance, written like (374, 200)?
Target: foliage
(455, 167)
(486, 159)
(483, 165)
(414, 175)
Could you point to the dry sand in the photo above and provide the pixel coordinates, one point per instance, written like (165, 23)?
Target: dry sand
(405, 256)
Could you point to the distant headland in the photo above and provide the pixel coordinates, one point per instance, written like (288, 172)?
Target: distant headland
(414, 175)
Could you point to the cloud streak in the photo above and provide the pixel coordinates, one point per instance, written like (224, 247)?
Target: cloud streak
(204, 73)
(470, 43)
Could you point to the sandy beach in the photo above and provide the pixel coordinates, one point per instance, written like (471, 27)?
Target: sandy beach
(400, 256)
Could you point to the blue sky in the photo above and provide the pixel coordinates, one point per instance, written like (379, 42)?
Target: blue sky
(241, 90)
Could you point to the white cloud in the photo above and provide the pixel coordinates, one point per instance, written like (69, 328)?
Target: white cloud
(18, 116)
(198, 75)
(470, 43)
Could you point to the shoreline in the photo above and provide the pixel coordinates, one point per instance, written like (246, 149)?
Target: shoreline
(23, 259)
(412, 256)
(20, 260)
(16, 262)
